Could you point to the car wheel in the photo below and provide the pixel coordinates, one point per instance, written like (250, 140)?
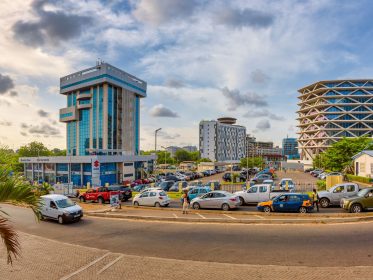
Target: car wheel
(101, 200)
(82, 199)
(242, 201)
(196, 206)
(324, 202)
(166, 205)
(136, 203)
(225, 207)
(157, 204)
(356, 208)
(60, 220)
(303, 210)
(267, 209)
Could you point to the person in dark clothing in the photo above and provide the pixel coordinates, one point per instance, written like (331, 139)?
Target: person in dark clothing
(315, 199)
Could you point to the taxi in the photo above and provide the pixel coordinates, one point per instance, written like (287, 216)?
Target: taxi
(291, 202)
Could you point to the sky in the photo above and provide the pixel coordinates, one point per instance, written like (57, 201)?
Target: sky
(201, 59)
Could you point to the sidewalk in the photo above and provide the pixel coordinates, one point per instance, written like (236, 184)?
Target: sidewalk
(47, 259)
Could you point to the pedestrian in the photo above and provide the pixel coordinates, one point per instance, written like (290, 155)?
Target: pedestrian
(185, 202)
(315, 199)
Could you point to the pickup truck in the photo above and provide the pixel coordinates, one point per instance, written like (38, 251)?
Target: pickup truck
(258, 193)
(334, 195)
(100, 195)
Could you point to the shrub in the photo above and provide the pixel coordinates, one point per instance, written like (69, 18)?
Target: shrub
(321, 185)
(360, 179)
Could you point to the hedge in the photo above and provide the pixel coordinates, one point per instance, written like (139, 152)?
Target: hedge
(359, 179)
(321, 185)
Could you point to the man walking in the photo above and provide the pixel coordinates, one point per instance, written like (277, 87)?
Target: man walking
(315, 199)
(185, 202)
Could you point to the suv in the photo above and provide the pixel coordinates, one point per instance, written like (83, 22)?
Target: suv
(334, 195)
(166, 185)
(125, 193)
(99, 195)
(362, 201)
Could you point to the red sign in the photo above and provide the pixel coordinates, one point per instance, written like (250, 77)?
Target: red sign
(96, 163)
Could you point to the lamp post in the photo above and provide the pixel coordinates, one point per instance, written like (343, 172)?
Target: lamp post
(155, 143)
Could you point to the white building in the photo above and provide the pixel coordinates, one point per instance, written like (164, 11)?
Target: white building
(222, 140)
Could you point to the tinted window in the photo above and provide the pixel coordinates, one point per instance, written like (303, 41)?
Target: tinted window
(203, 191)
(350, 188)
(162, 194)
(153, 194)
(145, 194)
(218, 195)
(262, 189)
(253, 190)
(339, 189)
(294, 198)
(193, 191)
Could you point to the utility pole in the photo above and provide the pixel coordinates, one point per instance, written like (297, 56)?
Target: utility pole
(155, 142)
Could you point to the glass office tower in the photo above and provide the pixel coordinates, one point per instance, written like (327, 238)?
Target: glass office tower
(103, 111)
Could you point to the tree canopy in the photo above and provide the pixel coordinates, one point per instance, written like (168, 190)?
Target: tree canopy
(252, 162)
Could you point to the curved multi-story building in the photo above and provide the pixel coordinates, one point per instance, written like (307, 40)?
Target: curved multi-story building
(331, 110)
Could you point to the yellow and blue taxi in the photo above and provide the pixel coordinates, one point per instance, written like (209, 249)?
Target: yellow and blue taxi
(291, 202)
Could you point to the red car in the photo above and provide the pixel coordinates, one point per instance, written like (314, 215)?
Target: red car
(100, 195)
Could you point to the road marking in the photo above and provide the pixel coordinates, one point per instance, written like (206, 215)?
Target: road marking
(84, 267)
(233, 218)
(203, 217)
(259, 216)
(175, 215)
(110, 264)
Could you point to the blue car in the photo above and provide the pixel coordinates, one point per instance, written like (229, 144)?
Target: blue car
(197, 192)
(291, 202)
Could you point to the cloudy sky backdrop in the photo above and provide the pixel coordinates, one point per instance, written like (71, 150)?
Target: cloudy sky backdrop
(201, 59)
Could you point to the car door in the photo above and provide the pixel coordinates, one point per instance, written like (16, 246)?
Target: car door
(293, 203)
(53, 210)
(252, 195)
(217, 200)
(144, 198)
(279, 203)
(205, 200)
(351, 190)
(153, 198)
(368, 201)
(338, 193)
(263, 193)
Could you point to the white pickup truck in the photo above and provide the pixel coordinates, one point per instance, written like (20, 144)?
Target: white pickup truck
(257, 193)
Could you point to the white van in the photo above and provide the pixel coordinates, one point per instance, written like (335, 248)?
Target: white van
(60, 208)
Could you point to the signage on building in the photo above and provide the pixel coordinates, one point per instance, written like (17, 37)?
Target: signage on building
(96, 173)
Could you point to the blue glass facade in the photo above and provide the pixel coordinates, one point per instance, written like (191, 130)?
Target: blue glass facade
(110, 117)
(84, 132)
(100, 117)
(94, 117)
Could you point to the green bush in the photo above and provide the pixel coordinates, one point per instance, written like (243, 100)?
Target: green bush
(360, 179)
(321, 185)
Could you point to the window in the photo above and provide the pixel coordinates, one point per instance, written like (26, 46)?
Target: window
(262, 189)
(153, 194)
(218, 195)
(350, 188)
(294, 198)
(146, 194)
(53, 205)
(253, 190)
(339, 189)
(362, 167)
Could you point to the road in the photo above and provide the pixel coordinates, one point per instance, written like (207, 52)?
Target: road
(289, 245)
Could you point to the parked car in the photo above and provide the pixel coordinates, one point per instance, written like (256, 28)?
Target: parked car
(287, 181)
(362, 201)
(166, 185)
(260, 178)
(125, 193)
(316, 172)
(236, 168)
(59, 207)
(213, 185)
(257, 193)
(323, 176)
(334, 195)
(197, 192)
(172, 178)
(176, 186)
(152, 197)
(216, 199)
(139, 188)
(100, 195)
(291, 202)
(308, 170)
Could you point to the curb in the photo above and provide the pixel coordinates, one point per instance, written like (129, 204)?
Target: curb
(237, 221)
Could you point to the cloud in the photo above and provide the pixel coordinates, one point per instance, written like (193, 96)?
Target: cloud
(174, 83)
(162, 111)
(43, 130)
(13, 93)
(43, 113)
(263, 113)
(243, 18)
(6, 83)
(159, 12)
(236, 99)
(5, 123)
(258, 77)
(168, 136)
(5, 102)
(263, 125)
(24, 126)
(51, 26)
(24, 134)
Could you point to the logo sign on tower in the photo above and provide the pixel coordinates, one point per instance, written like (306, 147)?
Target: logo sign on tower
(96, 173)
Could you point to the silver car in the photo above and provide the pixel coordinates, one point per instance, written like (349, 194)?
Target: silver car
(216, 199)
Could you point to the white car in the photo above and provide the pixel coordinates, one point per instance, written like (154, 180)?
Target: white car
(287, 181)
(152, 197)
(59, 207)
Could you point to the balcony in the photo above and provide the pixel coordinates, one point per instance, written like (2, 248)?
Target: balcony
(84, 106)
(83, 96)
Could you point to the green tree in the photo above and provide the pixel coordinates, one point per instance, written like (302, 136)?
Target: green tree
(195, 156)
(10, 158)
(14, 189)
(252, 162)
(204, 160)
(57, 152)
(339, 156)
(182, 155)
(33, 149)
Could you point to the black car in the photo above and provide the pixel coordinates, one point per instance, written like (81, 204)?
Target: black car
(125, 192)
(171, 178)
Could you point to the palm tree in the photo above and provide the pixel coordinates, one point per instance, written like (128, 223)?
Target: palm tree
(15, 190)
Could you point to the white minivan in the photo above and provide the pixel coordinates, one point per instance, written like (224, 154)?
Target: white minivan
(60, 208)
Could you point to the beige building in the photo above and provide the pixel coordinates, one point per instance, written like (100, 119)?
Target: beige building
(363, 164)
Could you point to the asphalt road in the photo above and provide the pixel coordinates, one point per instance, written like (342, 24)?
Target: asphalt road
(311, 245)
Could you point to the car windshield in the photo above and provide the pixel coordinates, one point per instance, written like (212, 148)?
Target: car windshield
(64, 203)
(362, 193)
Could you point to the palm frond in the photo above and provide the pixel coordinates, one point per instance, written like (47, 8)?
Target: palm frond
(10, 238)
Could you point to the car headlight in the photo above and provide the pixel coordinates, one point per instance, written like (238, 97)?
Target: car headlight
(66, 212)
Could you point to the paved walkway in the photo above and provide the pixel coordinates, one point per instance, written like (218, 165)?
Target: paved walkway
(47, 259)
